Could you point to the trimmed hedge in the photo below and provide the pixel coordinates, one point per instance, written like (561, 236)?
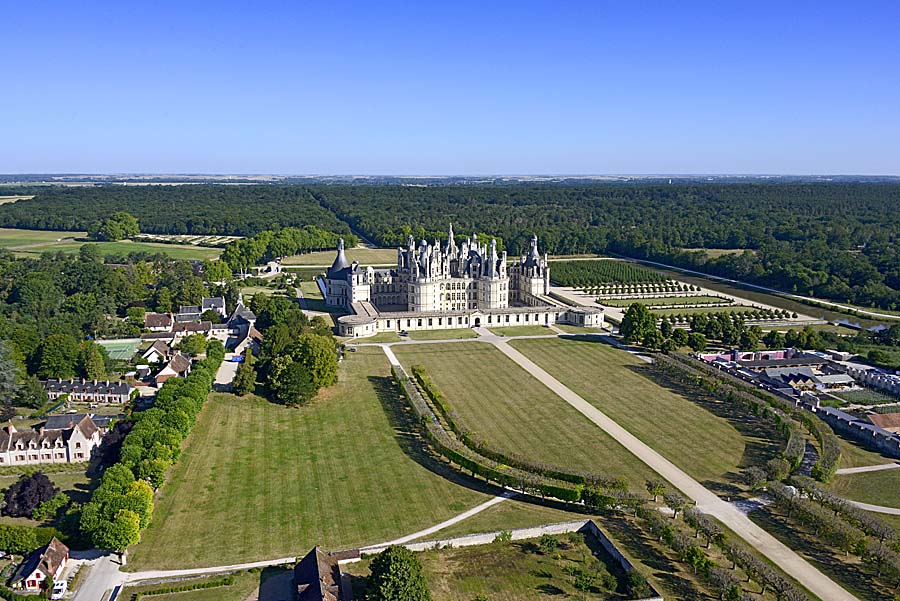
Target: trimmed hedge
(153, 444)
(782, 413)
(227, 581)
(469, 460)
(502, 457)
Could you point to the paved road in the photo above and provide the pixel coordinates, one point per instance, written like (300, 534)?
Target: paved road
(706, 500)
(867, 468)
(875, 508)
(463, 516)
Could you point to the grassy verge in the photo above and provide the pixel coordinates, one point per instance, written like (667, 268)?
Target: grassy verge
(698, 433)
(876, 488)
(454, 334)
(245, 583)
(522, 331)
(513, 411)
(261, 481)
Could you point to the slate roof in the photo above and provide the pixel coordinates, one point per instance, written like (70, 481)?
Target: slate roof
(87, 386)
(213, 302)
(340, 261)
(317, 577)
(47, 558)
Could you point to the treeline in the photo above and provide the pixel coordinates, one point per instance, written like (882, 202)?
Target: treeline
(244, 253)
(194, 209)
(834, 240)
(122, 505)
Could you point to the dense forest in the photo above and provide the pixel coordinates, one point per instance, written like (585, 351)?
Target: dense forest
(834, 240)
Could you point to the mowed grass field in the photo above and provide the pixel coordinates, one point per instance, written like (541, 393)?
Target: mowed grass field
(366, 256)
(876, 488)
(513, 411)
(453, 334)
(261, 481)
(31, 243)
(705, 444)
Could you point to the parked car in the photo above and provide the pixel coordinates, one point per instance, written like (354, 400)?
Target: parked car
(404, 333)
(59, 589)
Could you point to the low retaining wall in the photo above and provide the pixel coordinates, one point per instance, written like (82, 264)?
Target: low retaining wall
(471, 540)
(867, 434)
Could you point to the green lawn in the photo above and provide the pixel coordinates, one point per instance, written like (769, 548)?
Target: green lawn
(877, 488)
(516, 571)
(694, 431)
(515, 412)
(570, 329)
(454, 334)
(523, 331)
(854, 455)
(13, 237)
(380, 337)
(260, 481)
(509, 515)
(366, 256)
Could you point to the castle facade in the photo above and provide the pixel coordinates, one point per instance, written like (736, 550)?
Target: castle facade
(443, 286)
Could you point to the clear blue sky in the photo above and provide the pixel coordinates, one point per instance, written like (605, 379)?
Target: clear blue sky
(332, 87)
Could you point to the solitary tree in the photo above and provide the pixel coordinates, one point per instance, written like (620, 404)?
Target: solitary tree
(675, 502)
(637, 323)
(396, 575)
(656, 488)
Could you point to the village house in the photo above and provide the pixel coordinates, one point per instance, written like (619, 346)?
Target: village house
(158, 352)
(89, 391)
(214, 303)
(157, 322)
(61, 442)
(179, 366)
(45, 562)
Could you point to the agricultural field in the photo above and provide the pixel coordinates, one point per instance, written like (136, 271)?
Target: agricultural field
(261, 481)
(366, 256)
(31, 243)
(514, 571)
(715, 253)
(499, 402)
(699, 434)
(581, 274)
(8, 199)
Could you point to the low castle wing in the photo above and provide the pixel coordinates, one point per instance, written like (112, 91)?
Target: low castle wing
(437, 286)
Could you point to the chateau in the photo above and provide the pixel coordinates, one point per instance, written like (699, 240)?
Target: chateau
(449, 286)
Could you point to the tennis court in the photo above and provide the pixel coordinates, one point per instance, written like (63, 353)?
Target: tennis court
(121, 350)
